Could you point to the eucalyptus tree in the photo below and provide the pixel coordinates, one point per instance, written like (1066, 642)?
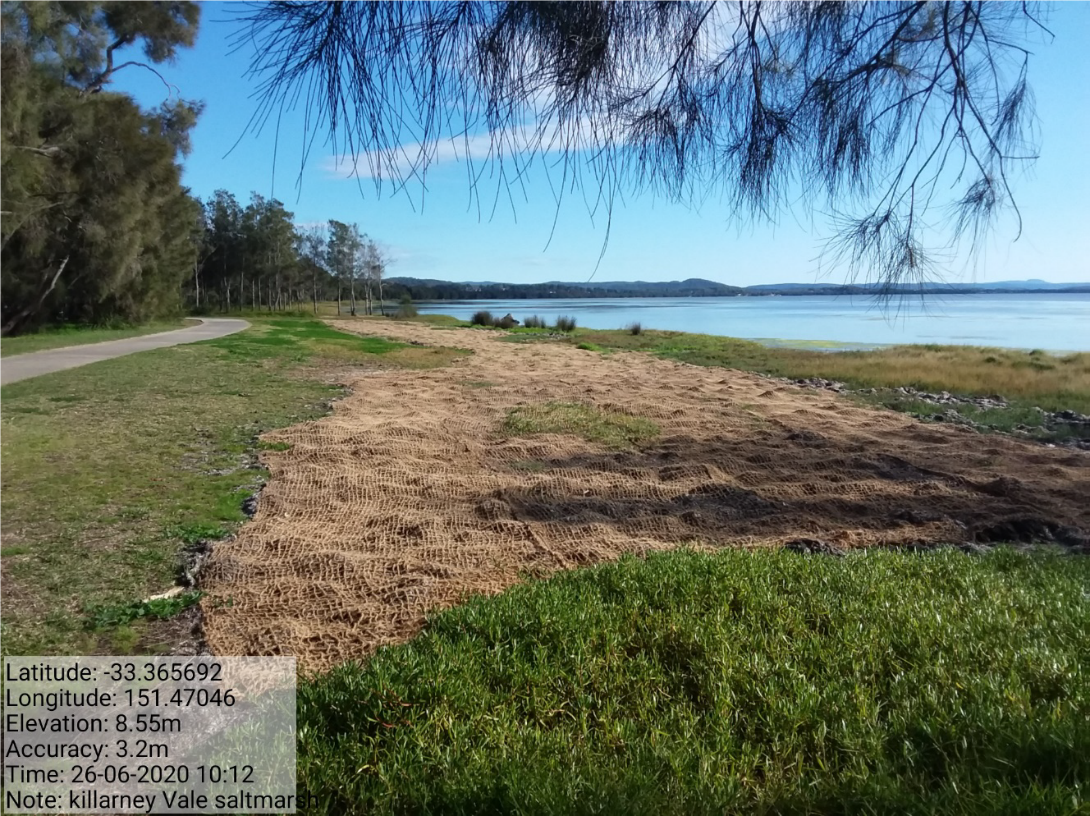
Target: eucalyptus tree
(890, 117)
(313, 243)
(376, 261)
(225, 231)
(343, 257)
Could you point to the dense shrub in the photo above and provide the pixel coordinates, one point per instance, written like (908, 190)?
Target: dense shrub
(534, 322)
(406, 309)
(635, 328)
(482, 318)
(565, 323)
(505, 322)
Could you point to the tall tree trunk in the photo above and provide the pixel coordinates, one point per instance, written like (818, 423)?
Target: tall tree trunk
(352, 284)
(314, 289)
(49, 283)
(197, 283)
(381, 305)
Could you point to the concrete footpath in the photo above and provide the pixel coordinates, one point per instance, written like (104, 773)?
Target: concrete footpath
(24, 366)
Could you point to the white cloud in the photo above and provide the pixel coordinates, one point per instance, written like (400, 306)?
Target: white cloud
(413, 158)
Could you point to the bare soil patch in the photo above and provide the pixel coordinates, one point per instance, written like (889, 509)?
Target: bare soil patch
(413, 493)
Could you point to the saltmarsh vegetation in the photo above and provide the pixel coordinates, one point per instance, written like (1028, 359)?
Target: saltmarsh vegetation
(565, 323)
(110, 470)
(482, 318)
(1028, 380)
(692, 683)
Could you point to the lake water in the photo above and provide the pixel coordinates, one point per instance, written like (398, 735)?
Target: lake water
(1025, 321)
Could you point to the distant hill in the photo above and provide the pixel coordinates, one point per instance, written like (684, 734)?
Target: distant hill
(429, 289)
(425, 289)
(1032, 285)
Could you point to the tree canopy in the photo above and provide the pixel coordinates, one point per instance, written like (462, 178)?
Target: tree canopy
(96, 225)
(905, 121)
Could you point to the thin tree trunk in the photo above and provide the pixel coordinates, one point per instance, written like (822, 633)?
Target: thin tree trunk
(352, 284)
(20, 316)
(197, 284)
(381, 304)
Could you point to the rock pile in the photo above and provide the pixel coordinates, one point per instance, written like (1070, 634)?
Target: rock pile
(1055, 425)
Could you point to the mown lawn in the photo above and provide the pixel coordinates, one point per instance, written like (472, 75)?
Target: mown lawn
(109, 470)
(692, 683)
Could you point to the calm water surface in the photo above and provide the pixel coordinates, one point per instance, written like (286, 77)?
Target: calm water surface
(1035, 321)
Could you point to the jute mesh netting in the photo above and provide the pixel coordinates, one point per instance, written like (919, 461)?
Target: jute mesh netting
(411, 494)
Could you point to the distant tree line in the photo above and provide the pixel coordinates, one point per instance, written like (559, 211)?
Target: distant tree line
(424, 290)
(421, 290)
(256, 257)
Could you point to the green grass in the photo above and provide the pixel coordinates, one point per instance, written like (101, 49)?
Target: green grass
(441, 320)
(765, 682)
(110, 469)
(530, 465)
(1026, 379)
(104, 617)
(611, 428)
(63, 336)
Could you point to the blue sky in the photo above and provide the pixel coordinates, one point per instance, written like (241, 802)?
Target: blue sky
(445, 237)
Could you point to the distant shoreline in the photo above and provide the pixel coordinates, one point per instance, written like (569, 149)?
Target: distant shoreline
(593, 295)
(429, 290)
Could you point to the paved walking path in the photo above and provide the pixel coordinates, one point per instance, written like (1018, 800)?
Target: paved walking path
(24, 366)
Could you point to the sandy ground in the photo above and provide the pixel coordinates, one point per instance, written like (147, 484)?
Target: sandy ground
(410, 495)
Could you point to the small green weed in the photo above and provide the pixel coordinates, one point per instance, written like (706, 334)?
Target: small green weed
(105, 617)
